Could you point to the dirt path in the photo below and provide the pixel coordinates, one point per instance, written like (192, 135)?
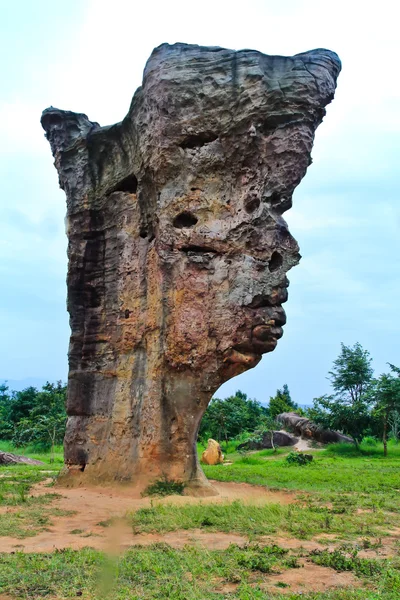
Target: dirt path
(94, 506)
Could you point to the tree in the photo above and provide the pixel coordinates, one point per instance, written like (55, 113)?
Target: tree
(44, 423)
(352, 373)
(387, 401)
(269, 426)
(281, 402)
(333, 412)
(348, 409)
(225, 419)
(5, 399)
(394, 423)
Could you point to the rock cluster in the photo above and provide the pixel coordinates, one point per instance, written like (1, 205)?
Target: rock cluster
(178, 251)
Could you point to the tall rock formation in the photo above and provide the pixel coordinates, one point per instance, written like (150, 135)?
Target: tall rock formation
(178, 251)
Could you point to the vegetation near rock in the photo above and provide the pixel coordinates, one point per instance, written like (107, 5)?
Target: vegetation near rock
(165, 487)
(299, 458)
(279, 438)
(228, 418)
(360, 404)
(33, 417)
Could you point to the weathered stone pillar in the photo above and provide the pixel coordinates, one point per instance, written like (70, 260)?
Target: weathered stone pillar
(178, 251)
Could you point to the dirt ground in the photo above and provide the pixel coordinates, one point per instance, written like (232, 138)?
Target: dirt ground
(93, 506)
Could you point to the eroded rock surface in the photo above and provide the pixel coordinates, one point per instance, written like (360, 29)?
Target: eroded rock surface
(309, 430)
(178, 251)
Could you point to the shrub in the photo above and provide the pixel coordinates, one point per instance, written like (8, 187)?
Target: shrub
(369, 440)
(165, 487)
(299, 458)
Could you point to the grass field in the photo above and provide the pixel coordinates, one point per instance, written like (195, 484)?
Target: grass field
(346, 500)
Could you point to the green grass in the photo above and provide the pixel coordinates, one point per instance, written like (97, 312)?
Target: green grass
(32, 452)
(16, 480)
(304, 519)
(29, 521)
(193, 573)
(332, 469)
(27, 515)
(329, 494)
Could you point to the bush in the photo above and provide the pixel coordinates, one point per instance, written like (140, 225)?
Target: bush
(165, 487)
(299, 458)
(369, 440)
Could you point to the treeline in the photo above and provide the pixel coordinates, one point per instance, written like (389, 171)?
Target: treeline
(361, 405)
(33, 417)
(236, 415)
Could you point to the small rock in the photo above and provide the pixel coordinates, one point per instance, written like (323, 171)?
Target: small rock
(212, 455)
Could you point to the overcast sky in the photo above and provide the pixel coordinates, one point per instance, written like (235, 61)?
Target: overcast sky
(88, 56)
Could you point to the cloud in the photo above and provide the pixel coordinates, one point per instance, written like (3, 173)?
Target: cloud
(90, 56)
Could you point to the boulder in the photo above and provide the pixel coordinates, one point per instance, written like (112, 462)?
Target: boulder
(212, 455)
(307, 429)
(7, 458)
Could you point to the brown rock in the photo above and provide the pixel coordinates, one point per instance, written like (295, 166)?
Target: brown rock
(178, 251)
(212, 455)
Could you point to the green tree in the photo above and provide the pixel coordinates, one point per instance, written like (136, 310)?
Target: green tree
(21, 404)
(225, 419)
(44, 423)
(348, 409)
(387, 401)
(281, 402)
(5, 401)
(352, 373)
(268, 427)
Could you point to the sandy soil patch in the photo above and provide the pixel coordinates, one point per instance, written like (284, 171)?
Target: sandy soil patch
(310, 578)
(307, 578)
(94, 506)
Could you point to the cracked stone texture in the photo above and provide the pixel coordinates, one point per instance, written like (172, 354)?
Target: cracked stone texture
(178, 251)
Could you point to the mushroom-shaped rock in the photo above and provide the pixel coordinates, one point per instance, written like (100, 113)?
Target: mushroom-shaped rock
(178, 251)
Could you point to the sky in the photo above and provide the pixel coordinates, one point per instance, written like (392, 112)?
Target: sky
(88, 56)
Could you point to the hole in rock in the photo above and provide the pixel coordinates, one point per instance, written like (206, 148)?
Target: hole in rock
(127, 313)
(129, 184)
(275, 262)
(82, 467)
(251, 204)
(198, 140)
(198, 249)
(185, 220)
